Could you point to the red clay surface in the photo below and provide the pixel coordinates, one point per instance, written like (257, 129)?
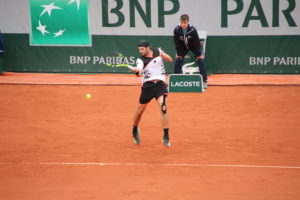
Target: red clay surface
(244, 143)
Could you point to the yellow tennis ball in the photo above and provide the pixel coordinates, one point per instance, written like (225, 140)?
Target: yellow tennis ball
(88, 96)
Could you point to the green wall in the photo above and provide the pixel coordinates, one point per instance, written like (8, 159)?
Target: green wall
(224, 54)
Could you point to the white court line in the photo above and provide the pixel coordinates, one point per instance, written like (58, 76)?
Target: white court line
(101, 164)
(241, 166)
(5, 163)
(178, 165)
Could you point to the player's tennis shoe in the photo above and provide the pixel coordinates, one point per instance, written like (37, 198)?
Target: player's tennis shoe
(166, 141)
(136, 136)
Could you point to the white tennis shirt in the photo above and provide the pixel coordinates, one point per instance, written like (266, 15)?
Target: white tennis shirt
(153, 69)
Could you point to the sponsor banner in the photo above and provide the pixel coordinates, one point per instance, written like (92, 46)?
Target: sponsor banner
(226, 17)
(258, 54)
(235, 54)
(60, 23)
(154, 17)
(185, 83)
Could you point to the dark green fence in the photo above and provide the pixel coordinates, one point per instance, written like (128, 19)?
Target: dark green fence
(224, 54)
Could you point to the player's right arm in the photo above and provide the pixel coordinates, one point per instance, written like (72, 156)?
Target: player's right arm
(139, 67)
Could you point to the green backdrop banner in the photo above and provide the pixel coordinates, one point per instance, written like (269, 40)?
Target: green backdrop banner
(224, 54)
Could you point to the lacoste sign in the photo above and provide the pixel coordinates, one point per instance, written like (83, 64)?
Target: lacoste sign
(185, 83)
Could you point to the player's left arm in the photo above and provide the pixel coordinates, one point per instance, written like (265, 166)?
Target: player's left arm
(165, 56)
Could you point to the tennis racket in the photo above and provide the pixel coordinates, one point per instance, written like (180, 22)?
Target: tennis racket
(115, 59)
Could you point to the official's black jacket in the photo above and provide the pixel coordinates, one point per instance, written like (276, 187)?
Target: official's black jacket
(188, 41)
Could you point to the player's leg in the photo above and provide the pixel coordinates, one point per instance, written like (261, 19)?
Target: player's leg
(164, 115)
(164, 118)
(138, 114)
(145, 98)
(136, 120)
(161, 94)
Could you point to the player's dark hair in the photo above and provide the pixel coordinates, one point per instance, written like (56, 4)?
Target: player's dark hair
(184, 17)
(143, 43)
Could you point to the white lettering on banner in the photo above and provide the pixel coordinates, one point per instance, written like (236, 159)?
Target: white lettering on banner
(259, 60)
(286, 61)
(275, 61)
(186, 84)
(72, 60)
(97, 60)
(79, 60)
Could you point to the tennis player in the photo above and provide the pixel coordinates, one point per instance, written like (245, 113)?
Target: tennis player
(151, 66)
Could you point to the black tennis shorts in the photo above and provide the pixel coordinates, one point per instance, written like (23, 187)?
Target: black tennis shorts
(152, 90)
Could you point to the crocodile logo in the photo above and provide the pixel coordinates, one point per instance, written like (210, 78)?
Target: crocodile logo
(189, 68)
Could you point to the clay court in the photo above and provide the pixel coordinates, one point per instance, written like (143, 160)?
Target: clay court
(238, 140)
